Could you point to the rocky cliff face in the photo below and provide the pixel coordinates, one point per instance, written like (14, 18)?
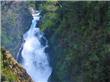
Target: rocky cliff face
(15, 20)
(12, 71)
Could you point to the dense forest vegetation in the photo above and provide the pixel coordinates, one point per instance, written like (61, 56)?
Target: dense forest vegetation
(79, 36)
(79, 39)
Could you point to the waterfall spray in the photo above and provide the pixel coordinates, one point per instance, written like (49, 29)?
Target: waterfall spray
(35, 60)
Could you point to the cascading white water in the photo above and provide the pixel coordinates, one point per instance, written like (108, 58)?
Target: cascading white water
(35, 60)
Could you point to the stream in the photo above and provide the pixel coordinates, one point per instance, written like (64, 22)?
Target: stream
(34, 58)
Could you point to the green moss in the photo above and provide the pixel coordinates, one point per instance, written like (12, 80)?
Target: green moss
(6, 73)
(9, 75)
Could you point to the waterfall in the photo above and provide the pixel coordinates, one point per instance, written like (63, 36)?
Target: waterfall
(35, 60)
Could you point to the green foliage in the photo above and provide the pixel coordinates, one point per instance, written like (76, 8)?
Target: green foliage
(49, 6)
(6, 73)
(80, 42)
(50, 17)
(49, 21)
(9, 75)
